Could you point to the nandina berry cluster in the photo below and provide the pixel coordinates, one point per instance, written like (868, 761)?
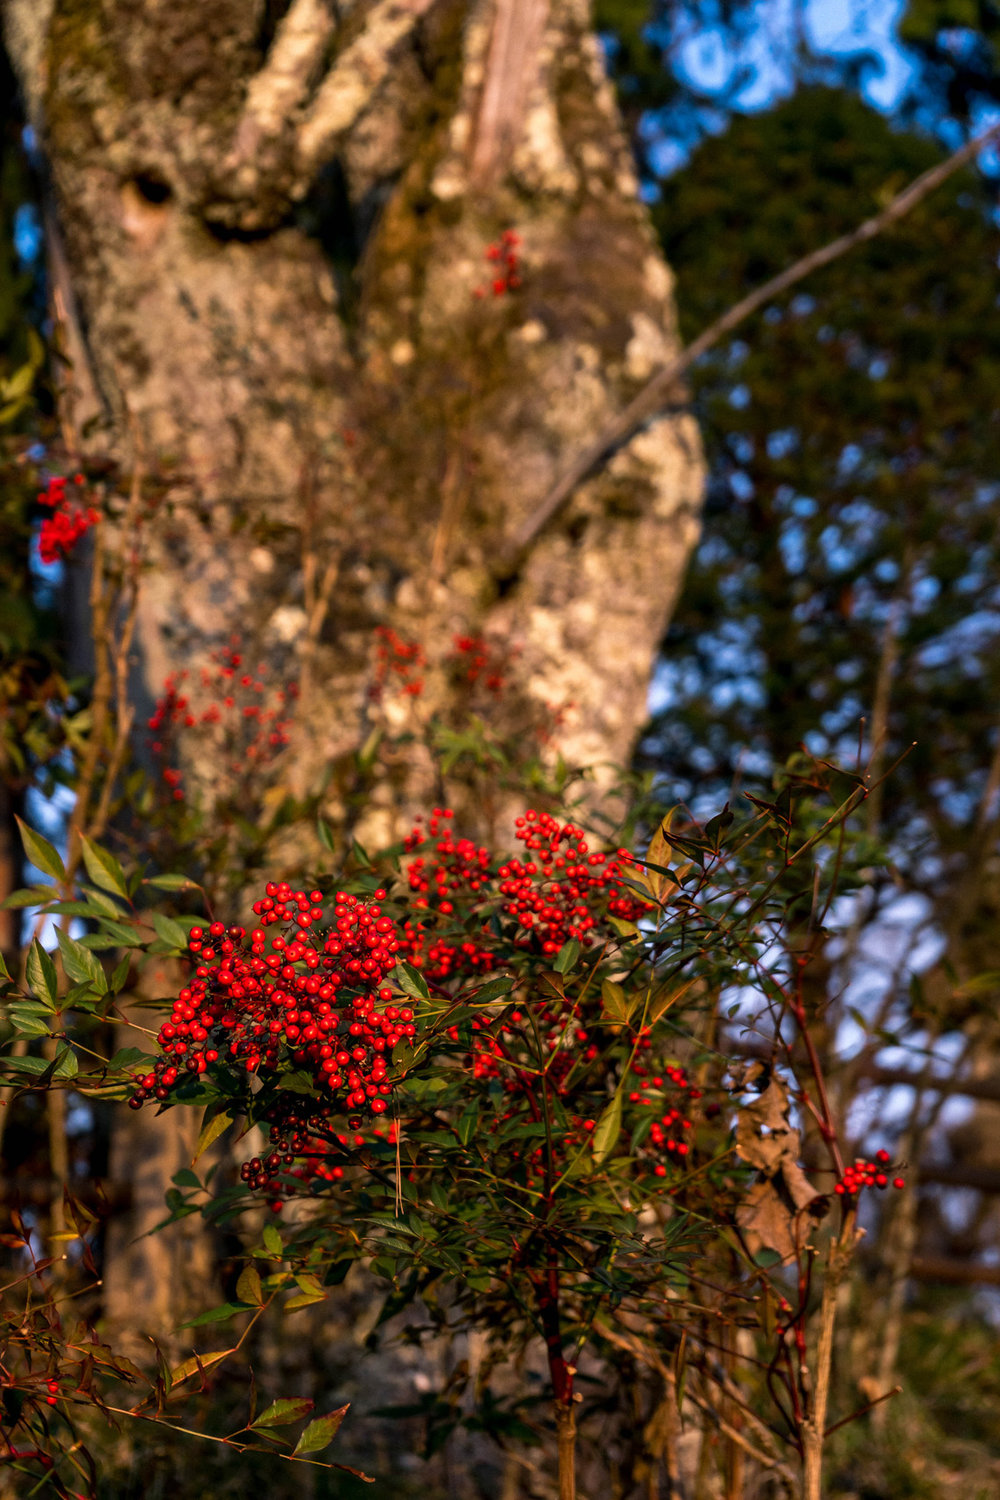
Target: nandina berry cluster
(867, 1174)
(503, 259)
(479, 661)
(562, 891)
(397, 661)
(306, 1149)
(292, 999)
(68, 522)
(667, 1134)
(255, 722)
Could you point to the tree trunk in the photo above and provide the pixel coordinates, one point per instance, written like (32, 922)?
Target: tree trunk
(273, 221)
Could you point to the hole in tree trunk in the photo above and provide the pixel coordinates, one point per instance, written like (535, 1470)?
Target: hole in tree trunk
(152, 189)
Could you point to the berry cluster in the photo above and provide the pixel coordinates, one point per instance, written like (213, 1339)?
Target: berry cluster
(306, 1151)
(867, 1174)
(52, 1386)
(295, 999)
(504, 263)
(479, 661)
(399, 659)
(562, 890)
(667, 1134)
(253, 722)
(68, 522)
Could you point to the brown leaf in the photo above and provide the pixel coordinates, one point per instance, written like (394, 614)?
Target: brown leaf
(768, 1221)
(776, 1213)
(764, 1138)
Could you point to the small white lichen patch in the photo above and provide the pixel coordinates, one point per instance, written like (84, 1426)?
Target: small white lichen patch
(646, 349)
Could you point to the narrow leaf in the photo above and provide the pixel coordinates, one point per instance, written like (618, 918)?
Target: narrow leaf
(321, 1432)
(212, 1127)
(103, 869)
(41, 853)
(614, 1002)
(411, 981)
(40, 972)
(80, 964)
(169, 931)
(282, 1413)
(171, 883)
(567, 956)
(198, 1362)
(248, 1288)
(608, 1129)
(67, 1063)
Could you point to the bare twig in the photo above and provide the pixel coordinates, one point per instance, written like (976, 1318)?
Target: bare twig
(814, 1427)
(888, 662)
(662, 387)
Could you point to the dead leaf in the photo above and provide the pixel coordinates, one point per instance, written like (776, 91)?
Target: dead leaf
(782, 1205)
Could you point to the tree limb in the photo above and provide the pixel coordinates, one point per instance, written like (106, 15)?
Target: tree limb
(663, 385)
(354, 80)
(281, 87)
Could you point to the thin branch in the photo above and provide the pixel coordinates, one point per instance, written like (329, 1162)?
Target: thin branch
(662, 387)
(884, 679)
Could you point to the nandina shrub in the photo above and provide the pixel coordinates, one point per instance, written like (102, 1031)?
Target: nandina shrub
(500, 1079)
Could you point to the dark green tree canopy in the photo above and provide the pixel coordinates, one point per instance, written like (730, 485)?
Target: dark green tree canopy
(853, 440)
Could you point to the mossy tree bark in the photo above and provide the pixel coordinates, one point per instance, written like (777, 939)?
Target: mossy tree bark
(271, 220)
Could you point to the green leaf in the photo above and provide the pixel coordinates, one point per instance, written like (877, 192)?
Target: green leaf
(41, 853)
(494, 989)
(248, 1288)
(321, 1432)
(32, 895)
(410, 981)
(128, 1057)
(27, 1064)
(121, 972)
(325, 836)
(4, 971)
(220, 1314)
(172, 883)
(608, 1129)
(272, 1241)
(567, 956)
(169, 931)
(212, 1126)
(468, 1122)
(614, 1002)
(80, 964)
(103, 869)
(28, 1019)
(104, 903)
(282, 1413)
(306, 1299)
(112, 935)
(67, 1063)
(40, 972)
